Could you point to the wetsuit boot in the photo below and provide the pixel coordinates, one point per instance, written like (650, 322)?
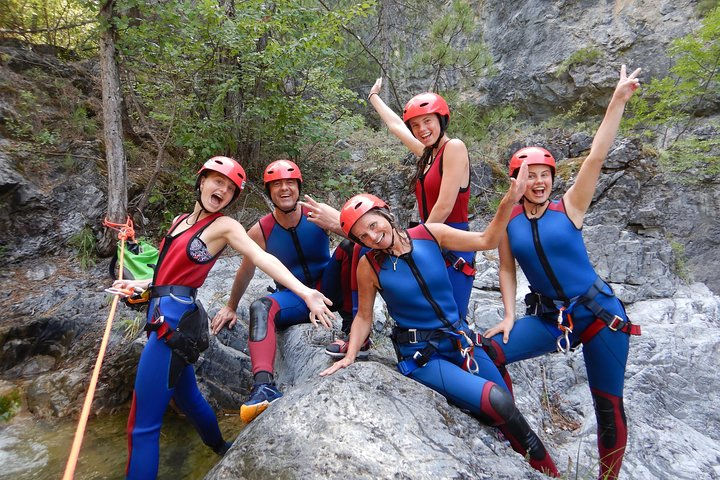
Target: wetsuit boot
(611, 433)
(499, 410)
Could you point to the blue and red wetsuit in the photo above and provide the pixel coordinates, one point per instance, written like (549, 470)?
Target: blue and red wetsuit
(427, 190)
(553, 257)
(162, 375)
(305, 251)
(420, 299)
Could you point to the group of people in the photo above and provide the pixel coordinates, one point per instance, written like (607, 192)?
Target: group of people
(424, 273)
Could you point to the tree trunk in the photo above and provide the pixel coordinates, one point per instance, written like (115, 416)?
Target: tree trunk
(112, 129)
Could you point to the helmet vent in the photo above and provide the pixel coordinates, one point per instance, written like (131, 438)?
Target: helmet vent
(522, 156)
(424, 104)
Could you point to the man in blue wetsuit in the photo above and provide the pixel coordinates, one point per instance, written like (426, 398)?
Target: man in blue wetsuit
(304, 248)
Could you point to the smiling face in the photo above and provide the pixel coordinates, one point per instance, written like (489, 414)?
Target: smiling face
(426, 128)
(539, 184)
(374, 231)
(284, 193)
(216, 191)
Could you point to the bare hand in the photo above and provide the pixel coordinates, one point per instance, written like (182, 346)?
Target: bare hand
(226, 316)
(319, 312)
(345, 362)
(376, 87)
(136, 285)
(321, 214)
(627, 84)
(519, 184)
(504, 327)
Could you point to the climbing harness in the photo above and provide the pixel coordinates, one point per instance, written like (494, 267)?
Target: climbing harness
(543, 306)
(125, 231)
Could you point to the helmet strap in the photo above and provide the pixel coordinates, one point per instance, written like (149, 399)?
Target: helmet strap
(535, 206)
(284, 210)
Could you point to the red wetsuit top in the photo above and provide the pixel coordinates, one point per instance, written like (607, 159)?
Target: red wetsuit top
(427, 190)
(184, 258)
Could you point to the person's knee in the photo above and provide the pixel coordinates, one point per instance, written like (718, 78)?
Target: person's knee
(260, 319)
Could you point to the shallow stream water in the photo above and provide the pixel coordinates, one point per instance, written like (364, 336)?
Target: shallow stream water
(38, 449)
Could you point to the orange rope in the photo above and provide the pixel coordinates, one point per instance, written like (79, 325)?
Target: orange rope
(125, 231)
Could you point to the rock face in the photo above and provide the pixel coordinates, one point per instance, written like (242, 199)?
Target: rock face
(550, 55)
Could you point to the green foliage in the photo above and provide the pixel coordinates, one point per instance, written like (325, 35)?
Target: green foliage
(681, 268)
(9, 405)
(82, 122)
(474, 125)
(46, 138)
(85, 244)
(131, 327)
(224, 80)
(448, 47)
(705, 6)
(584, 56)
(669, 107)
(67, 24)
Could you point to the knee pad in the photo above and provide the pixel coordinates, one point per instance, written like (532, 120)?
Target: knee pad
(259, 318)
(611, 420)
(493, 350)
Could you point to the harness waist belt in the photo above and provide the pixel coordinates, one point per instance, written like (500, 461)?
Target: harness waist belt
(413, 335)
(177, 290)
(459, 264)
(603, 317)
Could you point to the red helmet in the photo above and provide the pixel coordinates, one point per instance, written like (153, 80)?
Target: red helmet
(280, 169)
(228, 167)
(355, 208)
(531, 156)
(424, 104)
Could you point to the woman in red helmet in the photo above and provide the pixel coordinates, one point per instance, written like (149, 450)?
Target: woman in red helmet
(442, 176)
(176, 323)
(569, 303)
(433, 343)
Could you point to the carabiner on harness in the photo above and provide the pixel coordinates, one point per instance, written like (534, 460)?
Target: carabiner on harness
(468, 353)
(566, 331)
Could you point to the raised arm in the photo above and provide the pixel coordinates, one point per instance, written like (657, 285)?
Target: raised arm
(362, 323)
(456, 175)
(508, 290)
(577, 199)
(394, 122)
(237, 238)
(454, 239)
(227, 315)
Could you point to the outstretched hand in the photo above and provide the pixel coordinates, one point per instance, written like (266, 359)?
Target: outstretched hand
(319, 311)
(504, 327)
(225, 316)
(321, 214)
(627, 84)
(342, 363)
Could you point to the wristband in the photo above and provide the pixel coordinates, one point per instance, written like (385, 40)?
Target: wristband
(373, 93)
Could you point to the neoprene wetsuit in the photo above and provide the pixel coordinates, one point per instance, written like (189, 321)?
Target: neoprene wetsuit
(162, 375)
(427, 190)
(553, 257)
